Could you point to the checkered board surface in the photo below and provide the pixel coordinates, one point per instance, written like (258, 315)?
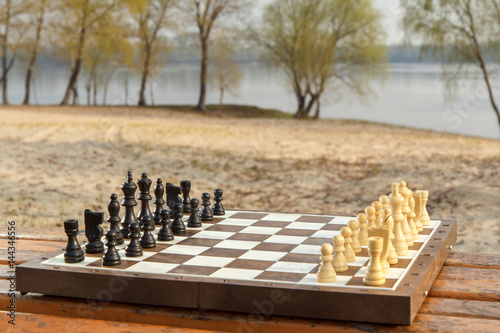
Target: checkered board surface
(255, 246)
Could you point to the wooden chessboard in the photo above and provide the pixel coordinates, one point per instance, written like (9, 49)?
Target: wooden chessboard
(252, 262)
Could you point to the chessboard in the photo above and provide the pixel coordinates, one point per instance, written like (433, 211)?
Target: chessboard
(262, 263)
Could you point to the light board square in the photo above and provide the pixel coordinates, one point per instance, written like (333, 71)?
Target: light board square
(263, 255)
(260, 230)
(209, 261)
(213, 234)
(240, 245)
(285, 239)
(185, 249)
(292, 267)
(305, 225)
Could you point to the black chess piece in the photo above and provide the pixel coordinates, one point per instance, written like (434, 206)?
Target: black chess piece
(165, 234)
(194, 220)
(144, 197)
(114, 219)
(128, 188)
(158, 201)
(186, 201)
(134, 248)
(93, 231)
(111, 257)
(74, 252)
(147, 240)
(206, 212)
(172, 195)
(178, 227)
(218, 208)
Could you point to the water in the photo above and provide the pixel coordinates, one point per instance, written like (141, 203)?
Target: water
(411, 95)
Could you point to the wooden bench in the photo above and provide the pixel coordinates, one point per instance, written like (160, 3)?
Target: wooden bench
(464, 298)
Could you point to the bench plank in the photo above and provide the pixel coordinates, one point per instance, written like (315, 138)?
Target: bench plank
(475, 260)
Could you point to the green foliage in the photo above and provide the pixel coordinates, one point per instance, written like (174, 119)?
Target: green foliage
(321, 43)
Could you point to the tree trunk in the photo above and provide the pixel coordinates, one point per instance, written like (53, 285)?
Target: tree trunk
(145, 74)
(87, 89)
(34, 55)
(301, 101)
(316, 114)
(203, 76)
(126, 87)
(75, 70)
(221, 96)
(490, 92)
(5, 70)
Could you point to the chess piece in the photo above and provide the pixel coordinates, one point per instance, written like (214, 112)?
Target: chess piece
(385, 204)
(186, 201)
(392, 258)
(165, 234)
(411, 216)
(128, 188)
(416, 210)
(172, 195)
(134, 248)
(374, 275)
(406, 210)
(178, 227)
(424, 215)
(206, 212)
(326, 273)
(218, 208)
(144, 184)
(158, 201)
(147, 240)
(378, 213)
(363, 233)
(339, 261)
(384, 232)
(194, 220)
(353, 224)
(93, 231)
(111, 257)
(114, 219)
(348, 251)
(370, 214)
(73, 252)
(396, 201)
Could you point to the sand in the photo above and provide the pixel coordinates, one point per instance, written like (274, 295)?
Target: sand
(55, 162)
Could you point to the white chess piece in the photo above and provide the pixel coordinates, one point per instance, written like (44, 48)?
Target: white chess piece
(378, 212)
(370, 213)
(353, 224)
(424, 215)
(396, 201)
(374, 275)
(326, 273)
(392, 259)
(348, 250)
(418, 204)
(363, 233)
(411, 216)
(339, 261)
(405, 209)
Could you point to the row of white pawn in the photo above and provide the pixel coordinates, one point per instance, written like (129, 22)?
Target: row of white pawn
(388, 228)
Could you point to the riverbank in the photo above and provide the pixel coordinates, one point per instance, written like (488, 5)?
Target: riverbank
(57, 161)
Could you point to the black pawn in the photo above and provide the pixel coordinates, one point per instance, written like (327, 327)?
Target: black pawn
(147, 240)
(74, 252)
(206, 212)
(93, 231)
(158, 201)
(134, 248)
(114, 219)
(144, 196)
(165, 234)
(186, 201)
(218, 208)
(111, 257)
(128, 188)
(178, 227)
(194, 220)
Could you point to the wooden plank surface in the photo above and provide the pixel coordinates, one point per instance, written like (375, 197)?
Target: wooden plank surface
(464, 298)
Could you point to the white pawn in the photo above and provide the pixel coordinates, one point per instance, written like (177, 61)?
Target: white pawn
(363, 232)
(378, 212)
(405, 210)
(424, 215)
(411, 216)
(348, 251)
(370, 214)
(385, 204)
(339, 261)
(374, 275)
(326, 273)
(353, 224)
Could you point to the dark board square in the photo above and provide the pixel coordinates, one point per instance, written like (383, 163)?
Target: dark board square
(316, 241)
(275, 247)
(217, 219)
(226, 228)
(221, 252)
(301, 257)
(296, 232)
(333, 227)
(124, 264)
(351, 270)
(415, 246)
(426, 231)
(273, 224)
(200, 242)
(249, 215)
(363, 253)
(249, 237)
(250, 264)
(316, 219)
(402, 263)
(358, 281)
(169, 258)
(281, 276)
(194, 270)
(158, 248)
(315, 270)
(191, 232)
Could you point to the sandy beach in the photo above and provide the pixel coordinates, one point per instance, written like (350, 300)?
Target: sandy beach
(57, 161)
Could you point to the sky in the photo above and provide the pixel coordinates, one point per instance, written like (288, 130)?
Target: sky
(391, 13)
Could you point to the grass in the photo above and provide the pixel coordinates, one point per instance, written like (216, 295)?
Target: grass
(229, 110)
